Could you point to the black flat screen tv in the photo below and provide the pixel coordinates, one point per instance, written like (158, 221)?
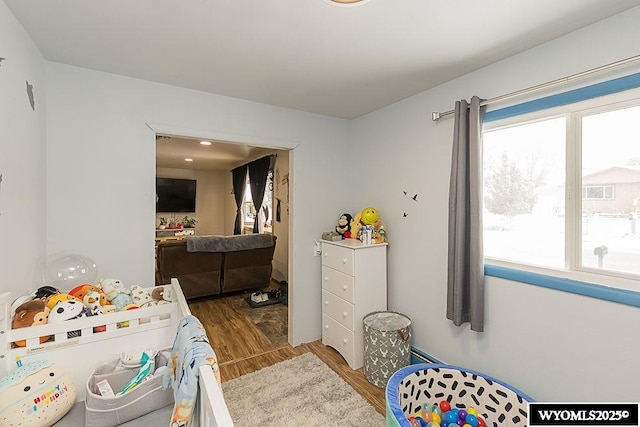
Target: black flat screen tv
(175, 195)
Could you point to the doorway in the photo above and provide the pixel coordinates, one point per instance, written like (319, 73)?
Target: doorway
(209, 162)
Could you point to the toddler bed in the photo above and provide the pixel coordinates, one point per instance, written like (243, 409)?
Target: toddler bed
(153, 327)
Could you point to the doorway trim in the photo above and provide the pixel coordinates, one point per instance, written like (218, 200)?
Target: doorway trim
(258, 141)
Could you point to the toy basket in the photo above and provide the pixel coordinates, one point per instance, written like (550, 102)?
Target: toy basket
(497, 402)
(146, 397)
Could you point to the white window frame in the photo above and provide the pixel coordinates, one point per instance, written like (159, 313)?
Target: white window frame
(573, 208)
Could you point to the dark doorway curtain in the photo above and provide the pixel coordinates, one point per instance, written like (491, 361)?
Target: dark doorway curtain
(258, 173)
(239, 176)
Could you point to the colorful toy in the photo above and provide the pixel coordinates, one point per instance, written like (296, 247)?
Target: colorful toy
(68, 310)
(163, 294)
(116, 293)
(55, 299)
(81, 292)
(30, 313)
(36, 394)
(146, 368)
(344, 224)
(141, 297)
(369, 216)
(45, 291)
(442, 414)
(354, 228)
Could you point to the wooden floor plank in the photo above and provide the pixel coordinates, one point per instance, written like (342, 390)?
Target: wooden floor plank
(242, 347)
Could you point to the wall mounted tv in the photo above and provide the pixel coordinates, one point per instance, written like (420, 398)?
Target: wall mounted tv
(175, 195)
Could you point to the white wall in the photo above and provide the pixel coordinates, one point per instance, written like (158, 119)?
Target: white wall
(210, 197)
(552, 345)
(281, 228)
(22, 158)
(101, 170)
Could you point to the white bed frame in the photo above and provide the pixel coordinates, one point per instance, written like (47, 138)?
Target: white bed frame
(152, 327)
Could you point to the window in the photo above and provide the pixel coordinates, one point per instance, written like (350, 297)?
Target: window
(532, 163)
(596, 192)
(266, 214)
(524, 188)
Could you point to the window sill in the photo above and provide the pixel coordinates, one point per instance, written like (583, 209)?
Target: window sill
(622, 296)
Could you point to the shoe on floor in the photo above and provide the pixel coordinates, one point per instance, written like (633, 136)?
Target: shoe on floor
(258, 297)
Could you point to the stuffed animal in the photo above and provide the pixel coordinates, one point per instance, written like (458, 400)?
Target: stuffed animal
(44, 292)
(36, 394)
(163, 294)
(379, 232)
(141, 297)
(30, 313)
(355, 227)
(344, 224)
(116, 293)
(41, 293)
(68, 310)
(81, 291)
(93, 302)
(55, 299)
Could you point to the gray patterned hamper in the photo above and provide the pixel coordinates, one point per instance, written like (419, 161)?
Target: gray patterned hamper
(387, 345)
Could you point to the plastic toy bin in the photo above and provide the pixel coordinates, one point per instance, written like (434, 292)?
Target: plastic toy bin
(497, 403)
(387, 345)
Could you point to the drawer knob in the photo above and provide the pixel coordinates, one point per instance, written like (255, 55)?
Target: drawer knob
(326, 326)
(344, 314)
(326, 254)
(326, 279)
(344, 260)
(344, 288)
(326, 303)
(345, 340)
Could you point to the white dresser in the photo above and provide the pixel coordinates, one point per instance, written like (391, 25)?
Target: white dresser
(354, 284)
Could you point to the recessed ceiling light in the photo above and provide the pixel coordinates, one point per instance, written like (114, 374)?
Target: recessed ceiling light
(188, 159)
(205, 142)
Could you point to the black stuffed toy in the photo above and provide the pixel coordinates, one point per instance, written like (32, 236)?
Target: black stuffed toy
(344, 223)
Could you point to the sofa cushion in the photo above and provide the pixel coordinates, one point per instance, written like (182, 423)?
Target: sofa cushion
(199, 273)
(240, 242)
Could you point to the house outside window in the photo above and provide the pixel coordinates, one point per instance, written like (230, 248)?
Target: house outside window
(532, 218)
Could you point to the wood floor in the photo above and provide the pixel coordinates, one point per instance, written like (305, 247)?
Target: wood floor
(242, 347)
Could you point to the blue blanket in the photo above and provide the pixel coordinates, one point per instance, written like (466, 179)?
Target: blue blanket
(191, 349)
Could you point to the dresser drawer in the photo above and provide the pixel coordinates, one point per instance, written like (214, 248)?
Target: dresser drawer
(340, 337)
(338, 258)
(338, 283)
(338, 309)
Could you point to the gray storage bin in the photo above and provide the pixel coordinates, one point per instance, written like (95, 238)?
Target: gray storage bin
(387, 345)
(146, 397)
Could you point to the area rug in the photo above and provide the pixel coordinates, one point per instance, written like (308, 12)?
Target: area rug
(302, 391)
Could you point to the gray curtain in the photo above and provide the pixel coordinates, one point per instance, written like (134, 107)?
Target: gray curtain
(465, 274)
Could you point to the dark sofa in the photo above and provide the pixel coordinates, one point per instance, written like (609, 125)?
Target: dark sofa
(214, 265)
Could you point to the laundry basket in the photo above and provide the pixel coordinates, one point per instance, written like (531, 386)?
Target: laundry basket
(387, 345)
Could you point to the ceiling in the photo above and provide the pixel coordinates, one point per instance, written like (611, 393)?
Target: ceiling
(221, 156)
(309, 55)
